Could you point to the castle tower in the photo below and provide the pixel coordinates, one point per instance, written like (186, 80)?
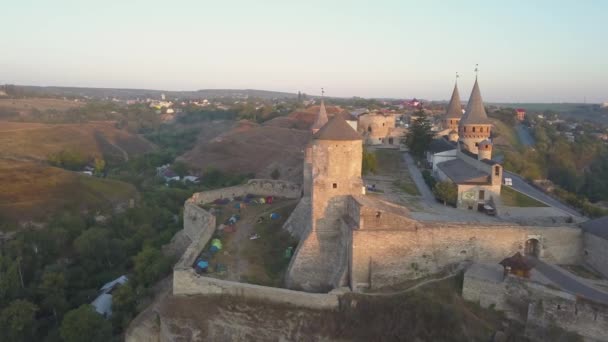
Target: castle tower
(474, 126)
(322, 258)
(320, 121)
(485, 150)
(337, 152)
(452, 117)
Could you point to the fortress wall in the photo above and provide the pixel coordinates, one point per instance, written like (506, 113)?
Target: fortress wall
(261, 187)
(596, 253)
(584, 318)
(197, 221)
(385, 257)
(298, 223)
(541, 307)
(372, 218)
(199, 225)
(270, 187)
(187, 282)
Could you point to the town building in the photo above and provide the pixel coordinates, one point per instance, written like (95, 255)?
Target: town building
(521, 114)
(379, 129)
(468, 164)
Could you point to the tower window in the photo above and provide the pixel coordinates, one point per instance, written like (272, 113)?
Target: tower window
(473, 129)
(335, 186)
(369, 129)
(496, 170)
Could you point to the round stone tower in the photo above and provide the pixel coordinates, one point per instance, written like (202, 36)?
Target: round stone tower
(337, 153)
(320, 121)
(484, 150)
(474, 126)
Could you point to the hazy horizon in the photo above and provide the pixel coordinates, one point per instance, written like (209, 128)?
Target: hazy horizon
(527, 52)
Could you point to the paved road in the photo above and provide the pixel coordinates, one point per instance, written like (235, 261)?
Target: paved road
(569, 282)
(524, 135)
(417, 178)
(521, 185)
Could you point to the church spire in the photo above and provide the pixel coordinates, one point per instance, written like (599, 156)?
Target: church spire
(454, 110)
(475, 113)
(321, 119)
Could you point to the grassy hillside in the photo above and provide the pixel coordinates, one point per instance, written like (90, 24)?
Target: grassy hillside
(506, 139)
(41, 104)
(96, 139)
(34, 191)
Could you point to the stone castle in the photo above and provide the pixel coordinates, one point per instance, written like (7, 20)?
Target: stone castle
(360, 241)
(353, 241)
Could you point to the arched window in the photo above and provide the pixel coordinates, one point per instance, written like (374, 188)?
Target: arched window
(496, 170)
(473, 129)
(369, 129)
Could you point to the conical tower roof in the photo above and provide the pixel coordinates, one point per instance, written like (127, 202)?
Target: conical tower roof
(475, 113)
(337, 129)
(454, 107)
(321, 119)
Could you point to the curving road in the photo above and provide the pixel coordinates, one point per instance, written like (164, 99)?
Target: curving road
(569, 282)
(522, 186)
(523, 133)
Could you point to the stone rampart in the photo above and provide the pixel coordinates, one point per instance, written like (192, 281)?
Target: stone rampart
(298, 223)
(596, 253)
(541, 307)
(187, 282)
(385, 257)
(197, 221)
(261, 187)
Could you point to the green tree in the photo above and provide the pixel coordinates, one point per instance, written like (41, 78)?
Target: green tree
(85, 325)
(10, 283)
(446, 191)
(180, 168)
(123, 306)
(100, 165)
(419, 135)
(150, 265)
(370, 163)
(18, 322)
(96, 246)
(52, 289)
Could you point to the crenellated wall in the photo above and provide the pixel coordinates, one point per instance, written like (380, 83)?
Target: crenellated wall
(298, 223)
(542, 308)
(187, 282)
(385, 257)
(596, 253)
(261, 187)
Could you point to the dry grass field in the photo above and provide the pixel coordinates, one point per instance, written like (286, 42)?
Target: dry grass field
(41, 104)
(36, 141)
(33, 191)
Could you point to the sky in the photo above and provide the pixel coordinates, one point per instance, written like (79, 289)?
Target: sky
(527, 51)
